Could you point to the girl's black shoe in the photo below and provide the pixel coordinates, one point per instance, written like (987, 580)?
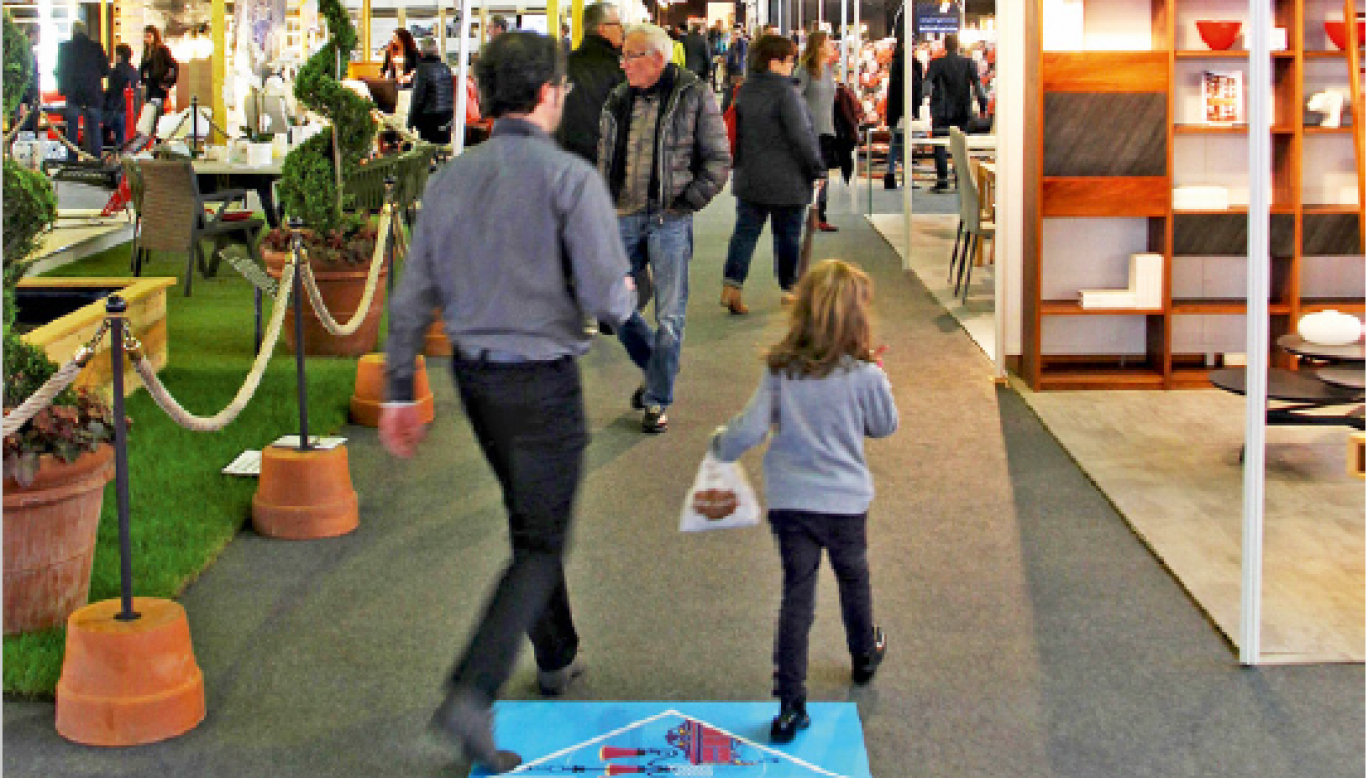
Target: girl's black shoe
(792, 717)
(865, 666)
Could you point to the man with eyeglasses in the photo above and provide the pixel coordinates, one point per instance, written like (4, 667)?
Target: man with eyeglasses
(517, 245)
(663, 148)
(594, 70)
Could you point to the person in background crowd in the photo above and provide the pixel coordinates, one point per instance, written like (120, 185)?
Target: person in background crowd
(821, 394)
(677, 54)
(816, 79)
(121, 76)
(594, 70)
(158, 69)
(513, 302)
(565, 38)
(896, 112)
(33, 91)
(433, 109)
(663, 149)
(737, 55)
(401, 58)
(717, 44)
(954, 85)
(81, 69)
(777, 162)
(497, 26)
(697, 54)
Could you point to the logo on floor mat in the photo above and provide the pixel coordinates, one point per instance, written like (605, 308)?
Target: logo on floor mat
(703, 741)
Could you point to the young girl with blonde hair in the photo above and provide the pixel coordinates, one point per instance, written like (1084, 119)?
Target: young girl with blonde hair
(822, 393)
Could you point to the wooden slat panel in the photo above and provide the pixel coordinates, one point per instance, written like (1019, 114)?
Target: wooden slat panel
(1091, 134)
(1115, 196)
(1331, 234)
(1106, 71)
(1212, 235)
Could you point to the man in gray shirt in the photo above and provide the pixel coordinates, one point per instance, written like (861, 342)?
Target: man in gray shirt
(517, 244)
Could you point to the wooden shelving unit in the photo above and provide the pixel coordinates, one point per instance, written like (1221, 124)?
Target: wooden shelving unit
(1114, 133)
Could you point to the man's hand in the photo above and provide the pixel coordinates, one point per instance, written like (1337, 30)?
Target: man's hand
(401, 429)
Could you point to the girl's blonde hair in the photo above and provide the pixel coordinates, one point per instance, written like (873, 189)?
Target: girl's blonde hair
(814, 53)
(830, 320)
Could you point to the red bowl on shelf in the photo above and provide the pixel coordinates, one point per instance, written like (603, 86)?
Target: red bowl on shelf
(1218, 35)
(1337, 31)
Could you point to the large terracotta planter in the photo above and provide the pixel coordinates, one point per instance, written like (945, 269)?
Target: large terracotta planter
(50, 530)
(369, 396)
(342, 291)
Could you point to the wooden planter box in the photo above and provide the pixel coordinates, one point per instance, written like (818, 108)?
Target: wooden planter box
(146, 317)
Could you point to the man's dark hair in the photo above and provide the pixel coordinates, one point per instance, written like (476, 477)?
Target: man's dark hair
(500, 22)
(123, 53)
(512, 70)
(595, 15)
(951, 43)
(768, 49)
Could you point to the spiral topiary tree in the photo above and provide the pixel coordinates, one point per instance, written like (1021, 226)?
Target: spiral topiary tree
(312, 175)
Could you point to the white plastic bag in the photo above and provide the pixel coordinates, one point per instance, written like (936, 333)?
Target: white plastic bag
(721, 498)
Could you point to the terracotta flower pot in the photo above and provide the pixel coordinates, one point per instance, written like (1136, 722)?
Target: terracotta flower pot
(342, 288)
(50, 529)
(304, 495)
(435, 343)
(369, 394)
(126, 683)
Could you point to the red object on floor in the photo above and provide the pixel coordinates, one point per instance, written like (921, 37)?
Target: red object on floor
(119, 200)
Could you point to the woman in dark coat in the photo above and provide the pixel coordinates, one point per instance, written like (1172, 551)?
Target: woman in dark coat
(776, 163)
(159, 69)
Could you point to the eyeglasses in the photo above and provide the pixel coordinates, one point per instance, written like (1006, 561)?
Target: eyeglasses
(610, 24)
(625, 58)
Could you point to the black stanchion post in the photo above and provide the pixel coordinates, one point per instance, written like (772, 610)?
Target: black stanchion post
(256, 333)
(296, 224)
(388, 259)
(115, 308)
(194, 126)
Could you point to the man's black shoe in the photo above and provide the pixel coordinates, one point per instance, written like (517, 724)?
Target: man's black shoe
(639, 399)
(792, 717)
(462, 719)
(941, 188)
(865, 666)
(890, 181)
(654, 420)
(554, 683)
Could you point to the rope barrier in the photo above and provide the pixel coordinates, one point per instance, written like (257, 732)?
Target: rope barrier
(18, 125)
(40, 399)
(325, 316)
(249, 270)
(224, 417)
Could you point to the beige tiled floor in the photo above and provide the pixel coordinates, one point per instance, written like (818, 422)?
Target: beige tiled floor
(1170, 463)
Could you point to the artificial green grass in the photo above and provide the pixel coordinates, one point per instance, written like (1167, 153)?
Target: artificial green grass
(184, 512)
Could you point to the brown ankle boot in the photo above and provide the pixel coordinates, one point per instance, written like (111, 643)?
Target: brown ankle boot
(731, 300)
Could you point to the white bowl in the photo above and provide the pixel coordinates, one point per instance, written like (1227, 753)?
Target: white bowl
(1330, 328)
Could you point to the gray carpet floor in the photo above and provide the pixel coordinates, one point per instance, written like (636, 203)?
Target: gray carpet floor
(1031, 634)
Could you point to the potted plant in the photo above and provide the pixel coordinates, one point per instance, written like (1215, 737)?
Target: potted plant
(57, 464)
(312, 187)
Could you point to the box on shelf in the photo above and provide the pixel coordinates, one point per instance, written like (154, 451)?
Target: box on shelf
(1106, 298)
(1147, 280)
(1223, 97)
(1201, 198)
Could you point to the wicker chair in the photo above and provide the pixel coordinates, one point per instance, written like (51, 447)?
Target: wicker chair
(172, 217)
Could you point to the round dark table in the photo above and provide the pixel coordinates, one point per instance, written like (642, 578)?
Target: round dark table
(1296, 344)
(1346, 376)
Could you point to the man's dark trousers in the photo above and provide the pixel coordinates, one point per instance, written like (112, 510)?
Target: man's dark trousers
(529, 419)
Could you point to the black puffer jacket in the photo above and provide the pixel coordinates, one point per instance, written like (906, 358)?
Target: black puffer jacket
(692, 142)
(595, 71)
(777, 157)
(81, 68)
(432, 90)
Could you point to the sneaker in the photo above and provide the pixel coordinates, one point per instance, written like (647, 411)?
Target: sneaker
(553, 683)
(654, 420)
(865, 666)
(461, 718)
(824, 227)
(941, 188)
(792, 717)
(639, 398)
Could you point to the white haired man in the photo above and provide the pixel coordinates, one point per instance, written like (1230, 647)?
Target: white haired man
(663, 148)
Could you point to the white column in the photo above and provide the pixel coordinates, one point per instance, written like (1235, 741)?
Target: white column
(1011, 182)
(845, 39)
(854, 79)
(909, 113)
(1256, 336)
(462, 71)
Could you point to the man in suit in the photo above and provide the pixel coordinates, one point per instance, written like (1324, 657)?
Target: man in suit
(954, 85)
(697, 53)
(81, 69)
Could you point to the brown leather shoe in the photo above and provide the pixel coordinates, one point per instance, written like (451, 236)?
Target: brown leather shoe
(731, 300)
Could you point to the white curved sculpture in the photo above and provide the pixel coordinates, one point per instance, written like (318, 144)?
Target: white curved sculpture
(1330, 328)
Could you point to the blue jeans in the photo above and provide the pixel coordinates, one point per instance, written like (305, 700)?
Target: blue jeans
(93, 144)
(665, 243)
(787, 230)
(895, 147)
